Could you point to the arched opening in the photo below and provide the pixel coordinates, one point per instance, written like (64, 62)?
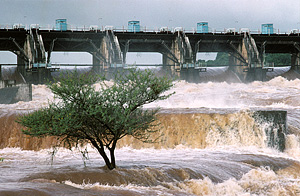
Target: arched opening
(143, 58)
(277, 59)
(213, 58)
(8, 65)
(205, 56)
(71, 58)
(7, 57)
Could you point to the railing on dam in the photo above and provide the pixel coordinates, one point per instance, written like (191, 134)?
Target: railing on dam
(124, 29)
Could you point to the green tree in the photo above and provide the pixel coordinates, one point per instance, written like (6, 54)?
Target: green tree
(278, 58)
(100, 117)
(222, 58)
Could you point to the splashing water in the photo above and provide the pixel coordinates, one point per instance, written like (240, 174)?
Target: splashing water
(211, 146)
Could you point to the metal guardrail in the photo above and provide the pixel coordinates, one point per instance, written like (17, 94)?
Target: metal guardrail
(124, 29)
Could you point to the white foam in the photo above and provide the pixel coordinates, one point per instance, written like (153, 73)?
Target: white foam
(259, 181)
(276, 93)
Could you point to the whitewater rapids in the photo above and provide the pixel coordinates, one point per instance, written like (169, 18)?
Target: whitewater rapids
(211, 146)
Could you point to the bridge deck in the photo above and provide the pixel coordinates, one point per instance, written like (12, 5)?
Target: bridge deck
(77, 41)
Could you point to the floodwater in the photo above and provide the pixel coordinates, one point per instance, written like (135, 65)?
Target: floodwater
(211, 146)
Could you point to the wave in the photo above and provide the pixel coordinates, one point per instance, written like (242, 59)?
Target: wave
(199, 172)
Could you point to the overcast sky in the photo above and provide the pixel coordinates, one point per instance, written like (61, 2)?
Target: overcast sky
(284, 14)
(220, 14)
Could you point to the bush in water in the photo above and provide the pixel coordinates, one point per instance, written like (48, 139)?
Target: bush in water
(101, 117)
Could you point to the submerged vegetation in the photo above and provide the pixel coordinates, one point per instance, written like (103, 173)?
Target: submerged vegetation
(101, 117)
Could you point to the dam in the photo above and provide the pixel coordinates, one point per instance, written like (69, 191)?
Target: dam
(109, 47)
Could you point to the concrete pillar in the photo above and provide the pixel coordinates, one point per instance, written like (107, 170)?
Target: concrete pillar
(124, 58)
(178, 50)
(243, 51)
(255, 74)
(192, 75)
(239, 55)
(173, 67)
(295, 60)
(40, 76)
(126, 49)
(21, 66)
(166, 59)
(101, 56)
(236, 65)
(249, 72)
(173, 52)
(105, 51)
(29, 49)
(14, 93)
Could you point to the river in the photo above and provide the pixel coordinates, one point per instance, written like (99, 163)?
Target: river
(211, 145)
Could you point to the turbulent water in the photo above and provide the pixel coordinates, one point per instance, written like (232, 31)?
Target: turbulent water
(211, 145)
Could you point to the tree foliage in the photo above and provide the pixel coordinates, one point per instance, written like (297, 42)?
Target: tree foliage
(100, 117)
(222, 58)
(278, 59)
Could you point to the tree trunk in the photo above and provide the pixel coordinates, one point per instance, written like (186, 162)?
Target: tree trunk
(101, 151)
(112, 153)
(107, 162)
